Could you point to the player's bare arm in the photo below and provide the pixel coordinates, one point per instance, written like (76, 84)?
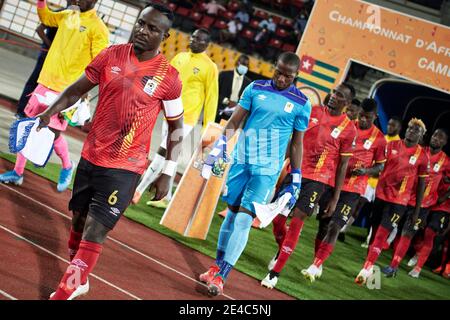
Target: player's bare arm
(66, 99)
(421, 184)
(339, 181)
(174, 141)
(296, 149)
(40, 30)
(373, 171)
(235, 122)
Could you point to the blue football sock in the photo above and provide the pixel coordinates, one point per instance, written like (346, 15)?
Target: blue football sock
(225, 269)
(224, 235)
(237, 242)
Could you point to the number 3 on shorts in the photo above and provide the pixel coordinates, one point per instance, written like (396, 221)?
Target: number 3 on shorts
(113, 198)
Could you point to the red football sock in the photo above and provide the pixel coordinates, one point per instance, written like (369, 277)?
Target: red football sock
(377, 246)
(279, 229)
(317, 244)
(74, 243)
(77, 272)
(323, 253)
(289, 243)
(400, 251)
(426, 247)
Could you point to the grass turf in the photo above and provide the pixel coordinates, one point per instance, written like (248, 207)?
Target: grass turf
(339, 271)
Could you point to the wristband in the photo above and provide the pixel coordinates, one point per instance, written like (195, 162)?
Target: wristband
(170, 168)
(296, 176)
(41, 4)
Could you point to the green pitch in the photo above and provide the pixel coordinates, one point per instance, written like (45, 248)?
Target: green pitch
(339, 271)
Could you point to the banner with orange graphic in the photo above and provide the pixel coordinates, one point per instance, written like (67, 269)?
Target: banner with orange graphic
(339, 31)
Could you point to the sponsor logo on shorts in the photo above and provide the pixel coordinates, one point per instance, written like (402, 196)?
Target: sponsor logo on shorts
(114, 211)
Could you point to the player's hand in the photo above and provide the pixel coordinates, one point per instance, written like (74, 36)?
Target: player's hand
(44, 120)
(219, 151)
(331, 207)
(161, 187)
(360, 172)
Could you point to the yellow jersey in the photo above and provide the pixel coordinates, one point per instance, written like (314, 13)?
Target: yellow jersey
(80, 37)
(200, 78)
(372, 180)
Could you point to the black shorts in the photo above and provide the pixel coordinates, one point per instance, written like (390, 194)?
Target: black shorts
(103, 193)
(310, 195)
(348, 201)
(390, 213)
(410, 227)
(438, 220)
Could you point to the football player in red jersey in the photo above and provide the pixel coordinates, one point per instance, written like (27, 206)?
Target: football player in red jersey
(406, 162)
(135, 82)
(439, 167)
(368, 160)
(328, 146)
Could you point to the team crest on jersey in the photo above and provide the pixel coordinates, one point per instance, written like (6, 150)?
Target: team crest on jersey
(367, 144)
(288, 107)
(335, 133)
(150, 86)
(412, 160)
(196, 70)
(436, 167)
(82, 28)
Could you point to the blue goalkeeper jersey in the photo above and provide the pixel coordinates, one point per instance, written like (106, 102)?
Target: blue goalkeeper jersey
(273, 116)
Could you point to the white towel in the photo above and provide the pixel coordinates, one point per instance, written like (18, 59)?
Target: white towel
(33, 145)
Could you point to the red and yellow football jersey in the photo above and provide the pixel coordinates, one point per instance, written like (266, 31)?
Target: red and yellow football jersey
(326, 139)
(370, 146)
(444, 206)
(439, 167)
(131, 95)
(403, 166)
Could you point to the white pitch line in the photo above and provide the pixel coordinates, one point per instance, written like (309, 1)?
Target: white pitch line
(3, 293)
(66, 261)
(114, 240)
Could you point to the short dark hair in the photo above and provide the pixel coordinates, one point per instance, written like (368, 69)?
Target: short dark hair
(369, 105)
(161, 8)
(356, 102)
(351, 88)
(397, 119)
(444, 130)
(289, 58)
(205, 31)
(244, 56)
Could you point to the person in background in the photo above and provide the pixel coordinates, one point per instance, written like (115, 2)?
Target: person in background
(231, 85)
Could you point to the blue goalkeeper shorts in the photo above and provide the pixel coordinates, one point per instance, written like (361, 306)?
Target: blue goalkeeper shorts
(248, 183)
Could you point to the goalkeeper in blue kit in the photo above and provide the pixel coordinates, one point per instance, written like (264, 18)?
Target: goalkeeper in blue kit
(276, 111)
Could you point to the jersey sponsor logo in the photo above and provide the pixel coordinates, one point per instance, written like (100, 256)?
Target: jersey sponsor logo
(150, 87)
(261, 97)
(288, 107)
(115, 69)
(196, 70)
(314, 120)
